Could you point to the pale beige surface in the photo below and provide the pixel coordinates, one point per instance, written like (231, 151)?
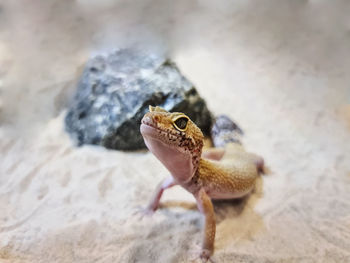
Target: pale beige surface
(281, 70)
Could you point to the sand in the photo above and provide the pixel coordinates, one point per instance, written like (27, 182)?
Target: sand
(279, 69)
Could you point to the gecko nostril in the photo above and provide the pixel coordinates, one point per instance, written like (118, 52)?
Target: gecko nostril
(156, 118)
(146, 120)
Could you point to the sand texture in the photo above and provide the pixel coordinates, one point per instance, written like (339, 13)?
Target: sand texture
(280, 69)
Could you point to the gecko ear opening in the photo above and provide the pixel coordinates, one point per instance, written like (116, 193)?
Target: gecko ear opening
(157, 109)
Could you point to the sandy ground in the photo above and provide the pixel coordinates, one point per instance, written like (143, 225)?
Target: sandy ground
(279, 68)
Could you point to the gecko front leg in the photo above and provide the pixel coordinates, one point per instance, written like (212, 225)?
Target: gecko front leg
(206, 207)
(165, 184)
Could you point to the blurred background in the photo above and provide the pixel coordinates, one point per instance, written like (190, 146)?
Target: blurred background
(278, 68)
(237, 44)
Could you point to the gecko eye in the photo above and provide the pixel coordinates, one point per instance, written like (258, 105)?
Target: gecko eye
(181, 123)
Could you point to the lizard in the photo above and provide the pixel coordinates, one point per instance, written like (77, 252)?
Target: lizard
(217, 174)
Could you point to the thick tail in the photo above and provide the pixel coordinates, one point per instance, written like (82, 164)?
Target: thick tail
(225, 131)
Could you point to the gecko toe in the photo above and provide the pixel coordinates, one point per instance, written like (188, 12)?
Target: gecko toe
(142, 212)
(205, 255)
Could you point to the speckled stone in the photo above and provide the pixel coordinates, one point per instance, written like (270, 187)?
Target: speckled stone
(114, 92)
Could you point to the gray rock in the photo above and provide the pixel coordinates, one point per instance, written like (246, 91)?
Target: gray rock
(114, 93)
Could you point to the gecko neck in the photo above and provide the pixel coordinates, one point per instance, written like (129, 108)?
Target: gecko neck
(181, 163)
(184, 165)
(196, 158)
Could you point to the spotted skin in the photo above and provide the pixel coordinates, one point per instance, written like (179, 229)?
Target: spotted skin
(231, 173)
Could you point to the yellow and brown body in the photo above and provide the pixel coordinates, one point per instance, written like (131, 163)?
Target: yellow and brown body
(177, 142)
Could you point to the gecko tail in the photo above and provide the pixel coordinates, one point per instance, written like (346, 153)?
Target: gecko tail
(225, 131)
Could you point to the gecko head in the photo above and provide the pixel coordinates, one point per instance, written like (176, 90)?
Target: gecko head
(174, 129)
(171, 136)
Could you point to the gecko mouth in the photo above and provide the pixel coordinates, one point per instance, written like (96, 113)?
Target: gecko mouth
(148, 123)
(148, 130)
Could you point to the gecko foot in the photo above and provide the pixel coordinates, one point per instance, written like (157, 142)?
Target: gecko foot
(205, 255)
(142, 212)
(201, 255)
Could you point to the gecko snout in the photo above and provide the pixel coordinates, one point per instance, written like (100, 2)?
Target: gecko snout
(150, 120)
